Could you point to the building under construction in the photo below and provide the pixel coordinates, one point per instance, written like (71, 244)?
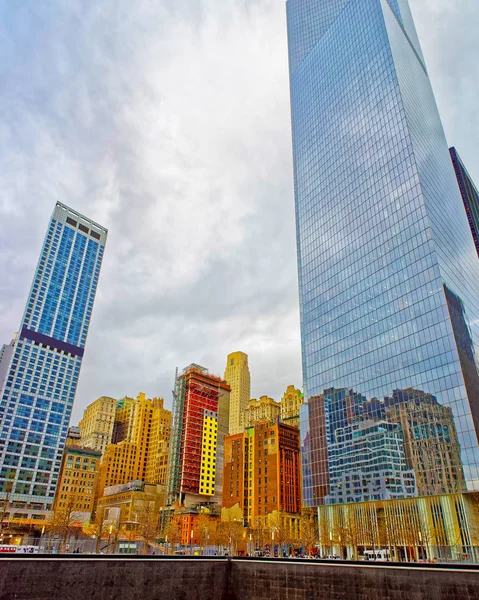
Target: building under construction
(200, 423)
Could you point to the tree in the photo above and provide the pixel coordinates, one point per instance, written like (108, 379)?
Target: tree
(230, 531)
(97, 529)
(308, 530)
(259, 535)
(346, 531)
(324, 533)
(63, 521)
(147, 530)
(172, 534)
(206, 527)
(8, 489)
(280, 527)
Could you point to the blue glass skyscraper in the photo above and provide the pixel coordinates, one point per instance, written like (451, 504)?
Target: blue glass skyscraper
(39, 369)
(388, 272)
(469, 193)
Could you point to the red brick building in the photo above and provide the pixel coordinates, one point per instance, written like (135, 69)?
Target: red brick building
(262, 471)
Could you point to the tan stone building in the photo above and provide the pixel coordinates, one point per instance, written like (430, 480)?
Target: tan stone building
(125, 505)
(96, 426)
(237, 376)
(77, 482)
(290, 404)
(264, 409)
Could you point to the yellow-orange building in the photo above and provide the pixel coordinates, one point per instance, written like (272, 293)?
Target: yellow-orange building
(96, 426)
(119, 465)
(290, 403)
(77, 481)
(123, 505)
(159, 446)
(208, 453)
(122, 419)
(142, 434)
(237, 376)
(264, 409)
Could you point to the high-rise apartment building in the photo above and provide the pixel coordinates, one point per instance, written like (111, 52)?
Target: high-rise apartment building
(291, 402)
(237, 376)
(262, 471)
(140, 452)
(159, 444)
(119, 465)
(264, 409)
(77, 483)
(201, 404)
(96, 426)
(469, 193)
(42, 364)
(388, 271)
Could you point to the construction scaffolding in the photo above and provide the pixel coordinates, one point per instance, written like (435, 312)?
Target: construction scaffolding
(195, 392)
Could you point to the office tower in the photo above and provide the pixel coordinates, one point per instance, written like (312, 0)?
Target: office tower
(264, 409)
(469, 193)
(430, 441)
(261, 472)
(291, 402)
(122, 419)
(201, 404)
(77, 482)
(238, 378)
(119, 465)
(96, 426)
(159, 447)
(388, 271)
(367, 461)
(43, 361)
(141, 450)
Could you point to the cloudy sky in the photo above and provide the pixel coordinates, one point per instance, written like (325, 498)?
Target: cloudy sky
(167, 121)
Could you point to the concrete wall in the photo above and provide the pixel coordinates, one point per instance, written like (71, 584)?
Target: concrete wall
(24, 578)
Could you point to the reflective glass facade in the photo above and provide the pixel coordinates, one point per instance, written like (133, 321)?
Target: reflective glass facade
(39, 370)
(388, 272)
(469, 193)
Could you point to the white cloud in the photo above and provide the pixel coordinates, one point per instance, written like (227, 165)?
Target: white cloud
(168, 122)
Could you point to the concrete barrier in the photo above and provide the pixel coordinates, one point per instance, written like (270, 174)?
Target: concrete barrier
(171, 578)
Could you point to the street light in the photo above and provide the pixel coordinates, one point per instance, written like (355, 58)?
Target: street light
(166, 543)
(191, 542)
(40, 541)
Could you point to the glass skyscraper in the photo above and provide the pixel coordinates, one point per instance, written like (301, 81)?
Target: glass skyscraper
(388, 271)
(469, 193)
(39, 369)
